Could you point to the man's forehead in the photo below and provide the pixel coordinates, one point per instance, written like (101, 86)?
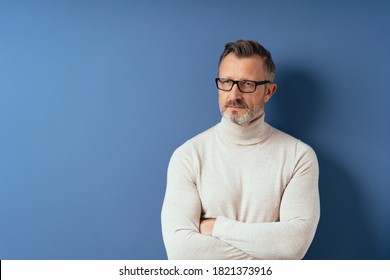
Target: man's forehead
(254, 60)
(234, 63)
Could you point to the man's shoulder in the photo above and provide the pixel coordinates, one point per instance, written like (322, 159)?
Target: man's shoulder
(199, 141)
(278, 135)
(203, 137)
(290, 142)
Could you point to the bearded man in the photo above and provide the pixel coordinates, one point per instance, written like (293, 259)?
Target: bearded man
(242, 189)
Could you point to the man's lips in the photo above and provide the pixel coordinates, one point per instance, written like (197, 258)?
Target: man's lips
(235, 107)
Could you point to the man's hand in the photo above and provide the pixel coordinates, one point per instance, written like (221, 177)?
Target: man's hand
(206, 226)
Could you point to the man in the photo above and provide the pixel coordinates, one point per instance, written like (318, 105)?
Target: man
(242, 189)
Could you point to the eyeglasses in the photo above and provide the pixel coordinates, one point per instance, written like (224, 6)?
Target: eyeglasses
(243, 86)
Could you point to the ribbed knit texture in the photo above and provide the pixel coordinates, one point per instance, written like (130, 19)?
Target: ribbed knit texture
(260, 183)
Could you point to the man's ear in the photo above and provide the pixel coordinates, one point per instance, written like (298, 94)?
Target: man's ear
(271, 90)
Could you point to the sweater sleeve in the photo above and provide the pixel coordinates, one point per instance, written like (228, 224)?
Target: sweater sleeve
(181, 214)
(291, 236)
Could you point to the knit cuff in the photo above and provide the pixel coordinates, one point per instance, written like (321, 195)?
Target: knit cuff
(221, 226)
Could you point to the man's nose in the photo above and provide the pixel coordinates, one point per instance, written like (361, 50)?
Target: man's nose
(235, 91)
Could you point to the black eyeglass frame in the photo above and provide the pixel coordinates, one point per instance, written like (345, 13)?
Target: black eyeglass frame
(238, 85)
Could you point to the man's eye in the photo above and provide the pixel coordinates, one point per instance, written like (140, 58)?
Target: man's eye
(225, 81)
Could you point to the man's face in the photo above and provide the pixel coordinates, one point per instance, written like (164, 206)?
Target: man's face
(243, 108)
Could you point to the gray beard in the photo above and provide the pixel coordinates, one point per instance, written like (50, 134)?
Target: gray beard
(246, 118)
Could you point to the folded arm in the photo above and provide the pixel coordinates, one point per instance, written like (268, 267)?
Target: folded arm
(181, 216)
(291, 236)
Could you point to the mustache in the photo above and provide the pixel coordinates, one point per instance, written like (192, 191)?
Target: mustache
(236, 103)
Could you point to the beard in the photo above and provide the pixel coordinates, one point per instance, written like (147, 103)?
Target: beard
(245, 117)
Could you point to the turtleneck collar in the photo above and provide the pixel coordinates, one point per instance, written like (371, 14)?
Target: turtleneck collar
(251, 134)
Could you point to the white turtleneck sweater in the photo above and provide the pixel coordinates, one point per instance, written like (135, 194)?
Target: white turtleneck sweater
(259, 183)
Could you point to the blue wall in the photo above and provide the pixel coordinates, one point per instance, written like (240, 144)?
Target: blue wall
(96, 95)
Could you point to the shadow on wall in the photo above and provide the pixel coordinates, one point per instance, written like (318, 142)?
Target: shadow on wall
(342, 232)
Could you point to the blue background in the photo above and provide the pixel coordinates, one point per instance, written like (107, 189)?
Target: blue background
(96, 95)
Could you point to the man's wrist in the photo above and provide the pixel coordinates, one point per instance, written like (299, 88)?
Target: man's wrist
(206, 226)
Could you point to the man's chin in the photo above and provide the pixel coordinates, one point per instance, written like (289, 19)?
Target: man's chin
(237, 118)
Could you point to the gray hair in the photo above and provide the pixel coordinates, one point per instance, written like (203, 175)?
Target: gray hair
(247, 48)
